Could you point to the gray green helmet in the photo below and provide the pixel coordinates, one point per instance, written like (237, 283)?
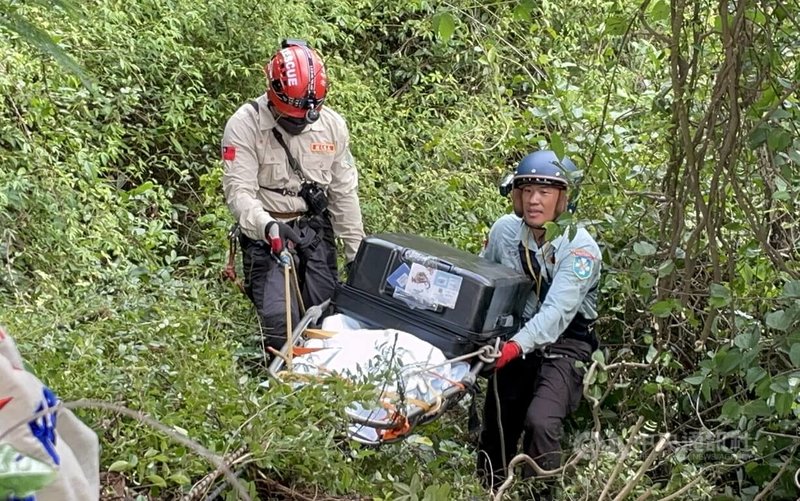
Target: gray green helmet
(544, 167)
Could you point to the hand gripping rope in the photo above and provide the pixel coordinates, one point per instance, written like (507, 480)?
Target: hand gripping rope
(286, 261)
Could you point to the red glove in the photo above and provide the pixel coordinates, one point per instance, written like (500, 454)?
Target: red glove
(278, 233)
(508, 352)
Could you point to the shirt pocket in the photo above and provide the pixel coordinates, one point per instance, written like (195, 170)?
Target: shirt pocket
(273, 172)
(511, 259)
(317, 167)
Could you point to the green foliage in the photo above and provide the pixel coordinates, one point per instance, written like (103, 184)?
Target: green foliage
(21, 475)
(113, 227)
(14, 18)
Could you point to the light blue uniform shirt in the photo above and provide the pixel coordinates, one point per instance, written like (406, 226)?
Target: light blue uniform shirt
(571, 267)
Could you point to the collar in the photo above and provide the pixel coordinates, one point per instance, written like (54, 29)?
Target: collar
(316, 126)
(265, 118)
(525, 235)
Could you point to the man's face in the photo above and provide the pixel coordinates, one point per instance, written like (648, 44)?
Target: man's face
(539, 204)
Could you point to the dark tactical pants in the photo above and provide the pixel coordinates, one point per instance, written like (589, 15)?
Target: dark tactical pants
(536, 394)
(315, 262)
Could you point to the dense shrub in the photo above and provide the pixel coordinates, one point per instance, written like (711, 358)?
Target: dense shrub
(113, 227)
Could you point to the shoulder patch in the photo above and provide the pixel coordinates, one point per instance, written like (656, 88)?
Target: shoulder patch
(582, 265)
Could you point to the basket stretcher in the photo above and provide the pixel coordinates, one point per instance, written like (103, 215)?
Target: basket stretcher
(430, 386)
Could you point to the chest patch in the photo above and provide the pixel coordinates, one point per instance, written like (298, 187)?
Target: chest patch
(327, 148)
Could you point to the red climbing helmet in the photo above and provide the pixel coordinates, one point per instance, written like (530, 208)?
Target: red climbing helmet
(296, 81)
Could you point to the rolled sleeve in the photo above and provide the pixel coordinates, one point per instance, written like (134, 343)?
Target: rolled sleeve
(240, 179)
(343, 200)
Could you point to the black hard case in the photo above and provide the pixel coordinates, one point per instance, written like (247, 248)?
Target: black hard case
(489, 305)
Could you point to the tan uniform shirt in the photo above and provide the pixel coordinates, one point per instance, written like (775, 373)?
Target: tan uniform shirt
(257, 161)
(57, 438)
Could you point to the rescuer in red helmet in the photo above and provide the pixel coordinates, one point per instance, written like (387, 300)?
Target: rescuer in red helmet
(289, 177)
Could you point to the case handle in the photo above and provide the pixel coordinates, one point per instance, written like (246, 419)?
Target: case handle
(428, 261)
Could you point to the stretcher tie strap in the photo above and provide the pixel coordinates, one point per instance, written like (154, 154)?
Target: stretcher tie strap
(457, 384)
(399, 431)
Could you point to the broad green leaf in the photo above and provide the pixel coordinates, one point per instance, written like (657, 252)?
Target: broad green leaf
(646, 283)
(719, 296)
(157, 480)
(573, 231)
(695, 380)
(791, 289)
(180, 478)
(146, 186)
(780, 385)
(599, 357)
(21, 475)
(705, 389)
(783, 403)
(747, 340)
(758, 136)
(756, 408)
(662, 309)
(643, 248)
(778, 320)
(665, 268)
(754, 375)
(557, 145)
(120, 466)
(616, 25)
(794, 354)
(756, 15)
(762, 388)
(778, 139)
(651, 388)
(782, 195)
(420, 440)
(552, 231)
(729, 361)
(660, 11)
(523, 9)
(731, 410)
(445, 25)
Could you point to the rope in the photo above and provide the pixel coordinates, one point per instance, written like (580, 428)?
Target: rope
(297, 290)
(286, 258)
(201, 487)
(499, 429)
(486, 354)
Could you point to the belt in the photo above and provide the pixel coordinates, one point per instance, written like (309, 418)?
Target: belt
(286, 215)
(544, 353)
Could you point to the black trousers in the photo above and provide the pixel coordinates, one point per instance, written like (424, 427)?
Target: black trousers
(536, 394)
(315, 262)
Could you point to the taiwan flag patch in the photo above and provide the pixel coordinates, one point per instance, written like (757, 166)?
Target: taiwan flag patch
(229, 152)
